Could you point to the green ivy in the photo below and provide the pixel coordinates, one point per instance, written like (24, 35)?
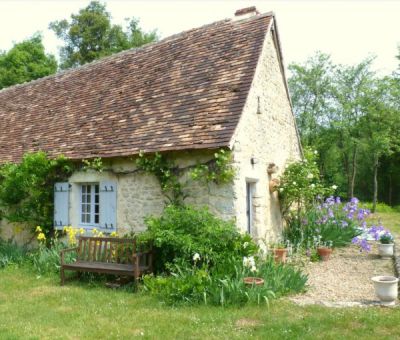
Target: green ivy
(26, 189)
(167, 174)
(218, 170)
(94, 164)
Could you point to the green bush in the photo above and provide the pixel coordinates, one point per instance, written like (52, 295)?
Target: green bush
(223, 283)
(11, 253)
(26, 189)
(183, 231)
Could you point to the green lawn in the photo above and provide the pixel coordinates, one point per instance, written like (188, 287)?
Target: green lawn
(38, 308)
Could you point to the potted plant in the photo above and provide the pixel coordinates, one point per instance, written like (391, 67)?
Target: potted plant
(280, 252)
(325, 250)
(386, 244)
(386, 288)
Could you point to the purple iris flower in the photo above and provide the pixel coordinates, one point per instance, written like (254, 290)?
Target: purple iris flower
(365, 245)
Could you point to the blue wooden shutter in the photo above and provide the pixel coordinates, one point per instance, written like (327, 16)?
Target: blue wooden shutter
(108, 205)
(61, 204)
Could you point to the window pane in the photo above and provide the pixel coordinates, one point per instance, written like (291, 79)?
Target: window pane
(90, 203)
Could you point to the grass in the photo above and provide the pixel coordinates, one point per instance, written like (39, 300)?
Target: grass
(38, 308)
(390, 221)
(34, 307)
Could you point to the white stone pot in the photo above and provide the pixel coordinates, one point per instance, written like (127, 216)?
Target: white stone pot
(386, 288)
(385, 250)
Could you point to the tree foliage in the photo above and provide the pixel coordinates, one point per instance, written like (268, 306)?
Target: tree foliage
(26, 189)
(25, 61)
(350, 116)
(90, 35)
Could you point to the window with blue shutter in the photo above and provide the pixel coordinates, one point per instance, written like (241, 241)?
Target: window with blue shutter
(61, 204)
(108, 205)
(89, 212)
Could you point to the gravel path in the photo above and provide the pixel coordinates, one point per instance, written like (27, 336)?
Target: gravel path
(344, 280)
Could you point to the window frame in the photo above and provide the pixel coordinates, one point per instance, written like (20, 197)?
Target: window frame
(92, 204)
(251, 189)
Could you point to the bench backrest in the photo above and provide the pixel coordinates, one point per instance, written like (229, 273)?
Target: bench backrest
(107, 249)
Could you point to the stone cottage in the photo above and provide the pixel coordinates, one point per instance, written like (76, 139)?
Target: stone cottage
(219, 86)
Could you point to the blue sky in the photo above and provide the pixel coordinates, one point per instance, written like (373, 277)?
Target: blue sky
(348, 30)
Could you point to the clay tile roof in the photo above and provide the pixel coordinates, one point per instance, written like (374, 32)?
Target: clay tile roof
(184, 92)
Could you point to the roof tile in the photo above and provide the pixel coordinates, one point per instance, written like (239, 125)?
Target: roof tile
(184, 92)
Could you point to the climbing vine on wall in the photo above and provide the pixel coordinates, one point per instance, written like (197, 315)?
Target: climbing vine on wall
(26, 189)
(95, 164)
(218, 170)
(167, 174)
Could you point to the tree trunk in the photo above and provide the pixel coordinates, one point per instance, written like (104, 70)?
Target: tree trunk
(375, 199)
(390, 189)
(353, 171)
(347, 170)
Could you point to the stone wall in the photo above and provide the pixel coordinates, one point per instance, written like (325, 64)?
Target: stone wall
(267, 133)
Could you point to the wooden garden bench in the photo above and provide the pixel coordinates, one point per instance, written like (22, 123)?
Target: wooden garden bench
(108, 255)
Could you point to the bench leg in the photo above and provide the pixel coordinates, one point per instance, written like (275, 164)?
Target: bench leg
(62, 274)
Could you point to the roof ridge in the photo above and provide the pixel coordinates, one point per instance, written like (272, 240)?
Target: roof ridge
(131, 50)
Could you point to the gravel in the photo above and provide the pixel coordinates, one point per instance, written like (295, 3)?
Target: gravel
(344, 280)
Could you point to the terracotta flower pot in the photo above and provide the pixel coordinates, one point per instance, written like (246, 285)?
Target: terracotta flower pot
(257, 281)
(280, 255)
(324, 253)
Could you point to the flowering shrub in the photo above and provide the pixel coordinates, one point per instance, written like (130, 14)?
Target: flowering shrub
(300, 184)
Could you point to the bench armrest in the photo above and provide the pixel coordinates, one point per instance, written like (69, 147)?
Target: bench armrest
(67, 250)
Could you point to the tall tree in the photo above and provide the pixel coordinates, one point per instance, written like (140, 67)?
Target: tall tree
(380, 126)
(311, 87)
(352, 83)
(89, 35)
(25, 61)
